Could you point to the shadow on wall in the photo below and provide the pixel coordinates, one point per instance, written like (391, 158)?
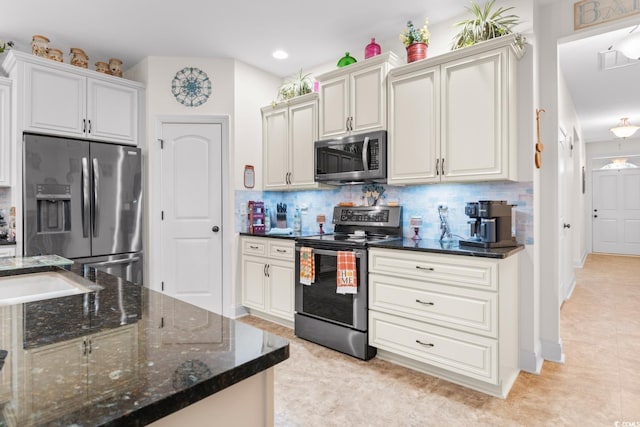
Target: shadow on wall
(420, 200)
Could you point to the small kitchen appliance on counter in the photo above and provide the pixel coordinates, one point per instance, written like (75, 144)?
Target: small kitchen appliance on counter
(490, 224)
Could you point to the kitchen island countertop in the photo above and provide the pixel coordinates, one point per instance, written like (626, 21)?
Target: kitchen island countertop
(122, 355)
(451, 248)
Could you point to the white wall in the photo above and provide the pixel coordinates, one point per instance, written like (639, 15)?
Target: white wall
(238, 92)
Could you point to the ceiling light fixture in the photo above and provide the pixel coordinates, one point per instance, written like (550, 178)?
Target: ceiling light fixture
(280, 54)
(629, 46)
(624, 129)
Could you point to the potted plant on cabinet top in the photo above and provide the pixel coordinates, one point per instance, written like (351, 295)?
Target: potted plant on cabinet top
(416, 40)
(485, 24)
(299, 85)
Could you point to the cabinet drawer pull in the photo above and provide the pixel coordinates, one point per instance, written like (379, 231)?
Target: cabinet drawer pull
(282, 251)
(254, 247)
(425, 344)
(425, 268)
(424, 303)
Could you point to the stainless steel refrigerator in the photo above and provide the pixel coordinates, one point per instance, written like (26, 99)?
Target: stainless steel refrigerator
(83, 200)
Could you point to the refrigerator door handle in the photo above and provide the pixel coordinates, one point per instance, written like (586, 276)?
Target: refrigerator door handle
(86, 184)
(96, 203)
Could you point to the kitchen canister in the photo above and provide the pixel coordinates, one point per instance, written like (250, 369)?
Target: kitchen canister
(78, 58)
(55, 54)
(102, 67)
(115, 65)
(40, 45)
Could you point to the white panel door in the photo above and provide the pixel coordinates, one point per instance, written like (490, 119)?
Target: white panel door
(616, 211)
(564, 209)
(191, 191)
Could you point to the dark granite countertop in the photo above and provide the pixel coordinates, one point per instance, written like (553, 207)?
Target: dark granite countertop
(451, 248)
(121, 355)
(292, 236)
(4, 242)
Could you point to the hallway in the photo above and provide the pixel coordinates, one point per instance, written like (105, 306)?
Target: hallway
(598, 385)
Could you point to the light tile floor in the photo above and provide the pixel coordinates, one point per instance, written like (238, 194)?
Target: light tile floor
(598, 385)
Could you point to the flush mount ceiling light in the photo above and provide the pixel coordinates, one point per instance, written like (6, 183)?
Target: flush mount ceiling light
(624, 129)
(280, 54)
(630, 45)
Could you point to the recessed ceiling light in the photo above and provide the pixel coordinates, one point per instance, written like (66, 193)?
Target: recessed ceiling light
(280, 54)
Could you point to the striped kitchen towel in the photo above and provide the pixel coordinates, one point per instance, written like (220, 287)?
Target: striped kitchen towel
(347, 276)
(307, 266)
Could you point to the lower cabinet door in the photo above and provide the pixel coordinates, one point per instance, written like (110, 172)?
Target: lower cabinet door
(57, 375)
(281, 288)
(115, 356)
(458, 352)
(253, 278)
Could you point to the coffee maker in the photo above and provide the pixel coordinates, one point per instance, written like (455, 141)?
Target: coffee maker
(490, 224)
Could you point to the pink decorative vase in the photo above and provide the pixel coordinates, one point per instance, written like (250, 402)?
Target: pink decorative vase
(416, 52)
(372, 49)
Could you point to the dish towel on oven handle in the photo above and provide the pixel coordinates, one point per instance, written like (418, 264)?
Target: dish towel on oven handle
(347, 276)
(307, 266)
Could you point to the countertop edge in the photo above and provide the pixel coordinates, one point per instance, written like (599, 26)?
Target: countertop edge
(197, 392)
(435, 246)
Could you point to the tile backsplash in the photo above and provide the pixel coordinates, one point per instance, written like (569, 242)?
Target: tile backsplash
(420, 200)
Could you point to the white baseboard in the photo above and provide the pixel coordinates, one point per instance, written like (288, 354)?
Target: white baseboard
(531, 362)
(553, 351)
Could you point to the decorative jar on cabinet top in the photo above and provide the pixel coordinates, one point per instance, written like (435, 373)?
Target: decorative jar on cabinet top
(39, 45)
(78, 58)
(102, 67)
(115, 65)
(55, 54)
(416, 52)
(372, 49)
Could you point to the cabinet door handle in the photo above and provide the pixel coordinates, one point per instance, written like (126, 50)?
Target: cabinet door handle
(425, 344)
(89, 122)
(90, 346)
(84, 347)
(437, 167)
(442, 166)
(268, 272)
(419, 267)
(84, 125)
(424, 303)
(264, 270)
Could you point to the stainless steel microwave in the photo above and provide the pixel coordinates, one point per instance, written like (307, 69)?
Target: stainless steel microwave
(352, 159)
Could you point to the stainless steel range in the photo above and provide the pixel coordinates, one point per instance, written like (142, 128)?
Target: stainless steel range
(324, 316)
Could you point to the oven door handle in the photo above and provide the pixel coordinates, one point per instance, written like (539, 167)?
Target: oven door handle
(331, 253)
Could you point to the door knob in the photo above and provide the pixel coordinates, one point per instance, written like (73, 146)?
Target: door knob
(567, 225)
(215, 229)
(595, 216)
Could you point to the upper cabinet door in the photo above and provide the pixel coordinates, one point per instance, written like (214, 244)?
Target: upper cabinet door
(275, 136)
(55, 101)
(368, 99)
(475, 128)
(112, 112)
(5, 132)
(303, 131)
(334, 108)
(413, 150)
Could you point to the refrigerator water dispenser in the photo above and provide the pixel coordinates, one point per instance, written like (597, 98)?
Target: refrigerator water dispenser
(53, 208)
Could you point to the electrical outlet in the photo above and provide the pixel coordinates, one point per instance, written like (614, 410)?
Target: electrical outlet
(442, 205)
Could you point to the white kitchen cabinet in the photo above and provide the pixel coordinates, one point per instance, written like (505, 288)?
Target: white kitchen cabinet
(7, 251)
(65, 374)
(5, 132)
(268, 277)
(451, 316)
(289, 130)
(61, 99)
(453, 118)
(5, 343)
(353, 99)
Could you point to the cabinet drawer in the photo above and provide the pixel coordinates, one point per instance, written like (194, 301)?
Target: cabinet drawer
(465, 354)
(282, 249)
(8, 251)
(254, 246)
(448, 269)
(450, 306)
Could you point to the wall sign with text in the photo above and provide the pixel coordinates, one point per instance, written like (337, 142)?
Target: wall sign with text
(587, 13)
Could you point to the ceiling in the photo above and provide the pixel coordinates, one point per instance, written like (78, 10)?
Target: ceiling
(312, 34)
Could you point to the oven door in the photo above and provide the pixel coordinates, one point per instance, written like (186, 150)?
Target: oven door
(321, 301)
